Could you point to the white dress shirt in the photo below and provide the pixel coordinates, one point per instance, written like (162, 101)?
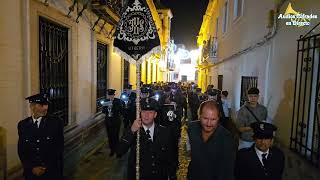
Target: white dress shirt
(226, 105)
(151, 129)
(39, 120)
(259, 154)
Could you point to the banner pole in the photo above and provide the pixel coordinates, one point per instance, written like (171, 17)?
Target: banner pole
(138, 72)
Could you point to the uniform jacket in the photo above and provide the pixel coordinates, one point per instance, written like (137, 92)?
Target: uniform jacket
(249, 167)
(41, 146)
(156, 157)
(179, 99)
(194, 103)
(117, 109)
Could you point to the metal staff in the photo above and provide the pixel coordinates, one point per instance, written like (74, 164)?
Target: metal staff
(138, 71)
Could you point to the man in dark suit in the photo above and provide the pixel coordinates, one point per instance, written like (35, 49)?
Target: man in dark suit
(156, 146)
(260, 161)
(210, 145)
(129, 97)
(41, 142)
(113, 108)
(194, 103)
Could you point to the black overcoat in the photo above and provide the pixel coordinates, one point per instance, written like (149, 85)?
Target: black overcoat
(249, 167)
(157, 161)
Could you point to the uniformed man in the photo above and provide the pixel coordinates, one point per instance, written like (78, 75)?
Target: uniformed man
(41, 142)
(194, 103)
(145, 92)
(131, 110)
(165, 98)
(129, 98)
(156, 147)
(180, 101)
(214, 94)
(261, 160)
(113, 108)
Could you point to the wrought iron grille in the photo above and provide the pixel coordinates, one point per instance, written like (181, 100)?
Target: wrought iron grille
(126, 66)
(102, 60)
(53, 57)
(115, 5)
(246, 83)
(305, 129)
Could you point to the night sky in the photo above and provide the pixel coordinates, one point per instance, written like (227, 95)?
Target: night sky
(186, 21)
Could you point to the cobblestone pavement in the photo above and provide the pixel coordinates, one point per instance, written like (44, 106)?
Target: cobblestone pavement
(183, 159)
(99, 166)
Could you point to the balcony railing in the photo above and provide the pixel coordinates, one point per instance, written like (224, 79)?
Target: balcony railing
(210, 50)
(114, 5)
(171, 66)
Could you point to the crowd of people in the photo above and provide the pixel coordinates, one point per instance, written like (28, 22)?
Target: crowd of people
(221, 146)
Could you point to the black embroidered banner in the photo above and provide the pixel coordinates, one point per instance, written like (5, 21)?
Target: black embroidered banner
(136, 35)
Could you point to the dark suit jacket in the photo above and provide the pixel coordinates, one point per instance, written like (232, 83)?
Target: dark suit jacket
(41, 146)
(211, 160)
(117, 109)
(156, 158)
(249, 167)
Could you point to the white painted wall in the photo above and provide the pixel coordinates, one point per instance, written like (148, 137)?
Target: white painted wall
(274, 63)
(12, 103)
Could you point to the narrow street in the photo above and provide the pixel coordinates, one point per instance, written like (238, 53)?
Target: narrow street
(99, 166)
(75, 72)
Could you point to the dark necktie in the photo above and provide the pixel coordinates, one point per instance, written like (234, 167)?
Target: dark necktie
(148, 135)
(265, 164)
(35, 124)
(264, 159)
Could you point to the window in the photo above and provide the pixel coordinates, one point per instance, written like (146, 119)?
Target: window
(53, 62)
(151, 73)
(246, 83)
(184, 78)
(102, 60)
(147, 72)
(237, 8)
(225, 17)
(220, 80)
(217, 27)
(157, 72)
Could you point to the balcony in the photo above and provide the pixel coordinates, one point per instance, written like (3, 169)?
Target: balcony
(171, 66)
(210, 51)
(113, 5)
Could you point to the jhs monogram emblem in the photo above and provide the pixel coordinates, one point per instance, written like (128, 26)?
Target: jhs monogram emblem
(109, 107)
(171, 115)
(137, 25)
(109, 111)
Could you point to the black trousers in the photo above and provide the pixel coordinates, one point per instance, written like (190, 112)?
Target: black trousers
(113, 131)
